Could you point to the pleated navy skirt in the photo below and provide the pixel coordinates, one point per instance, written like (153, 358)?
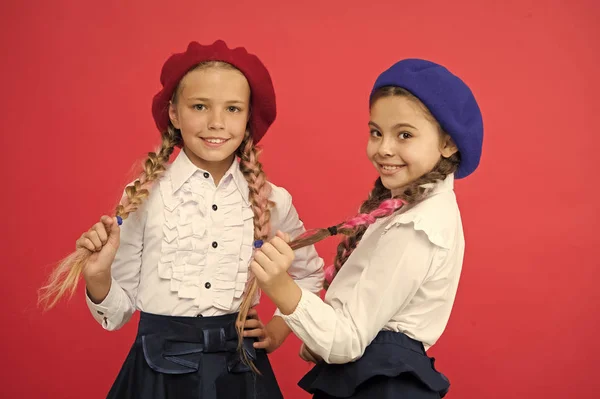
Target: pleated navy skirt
(192, 358)
(393, 366)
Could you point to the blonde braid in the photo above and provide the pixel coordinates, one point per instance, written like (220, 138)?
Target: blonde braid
(259, 192)
(65, 277)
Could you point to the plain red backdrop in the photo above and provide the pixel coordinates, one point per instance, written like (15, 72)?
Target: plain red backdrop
(77, 82)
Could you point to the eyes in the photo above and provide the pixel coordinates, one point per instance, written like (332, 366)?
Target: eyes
(403, 135)
(231, 108)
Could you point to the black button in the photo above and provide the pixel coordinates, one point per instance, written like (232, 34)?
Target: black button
(215, 244)
(100, 313)
(215, 207)
(206, 175)
(199, 315)
(207, 285)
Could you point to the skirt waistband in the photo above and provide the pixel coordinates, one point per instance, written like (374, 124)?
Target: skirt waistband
(213, 334)
(174, 345)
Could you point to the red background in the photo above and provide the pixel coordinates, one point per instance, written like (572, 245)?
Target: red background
(77, 81)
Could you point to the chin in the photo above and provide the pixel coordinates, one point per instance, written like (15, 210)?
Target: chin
(392, 184)
(213, 155)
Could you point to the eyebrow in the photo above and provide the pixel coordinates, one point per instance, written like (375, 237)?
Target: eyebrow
(397, 125)
(207, 100)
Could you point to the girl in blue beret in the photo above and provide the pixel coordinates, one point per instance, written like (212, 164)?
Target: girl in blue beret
(394, 279)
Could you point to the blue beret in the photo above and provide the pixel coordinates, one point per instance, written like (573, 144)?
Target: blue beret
(448, 99)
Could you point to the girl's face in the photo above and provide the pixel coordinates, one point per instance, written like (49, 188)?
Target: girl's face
(211, 110)
(404, 142)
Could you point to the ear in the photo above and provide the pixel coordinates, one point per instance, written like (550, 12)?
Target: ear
(173, 115)
(449, 148)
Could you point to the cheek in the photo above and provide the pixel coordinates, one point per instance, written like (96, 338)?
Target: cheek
(238, 124)
(371, 149)
(431, 156)
(190, 120)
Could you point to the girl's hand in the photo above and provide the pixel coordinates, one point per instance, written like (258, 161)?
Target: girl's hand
(308, 355)
(103, 241)
(256, 329)
(272, 261)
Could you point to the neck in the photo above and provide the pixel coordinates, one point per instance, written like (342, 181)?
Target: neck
(217, 169)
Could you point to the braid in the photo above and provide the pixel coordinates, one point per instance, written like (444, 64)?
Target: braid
(260, 189)
(65, 276)
(259, 192)
(349, 243)
(378, 205)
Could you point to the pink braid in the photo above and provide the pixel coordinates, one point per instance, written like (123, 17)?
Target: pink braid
(386, 208)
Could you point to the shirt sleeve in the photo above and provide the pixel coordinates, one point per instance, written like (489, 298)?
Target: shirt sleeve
(396, 268)
(118, 306)
(307, 267)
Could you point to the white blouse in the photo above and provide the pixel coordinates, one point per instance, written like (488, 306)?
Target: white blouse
(402, 276)
(187, 250)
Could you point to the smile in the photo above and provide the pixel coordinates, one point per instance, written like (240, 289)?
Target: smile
(389, 169)
(214, 140)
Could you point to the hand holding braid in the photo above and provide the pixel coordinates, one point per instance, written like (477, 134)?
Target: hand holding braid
(259, 192)
(65, 276)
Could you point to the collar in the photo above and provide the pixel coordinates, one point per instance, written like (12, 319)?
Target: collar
(182, 169)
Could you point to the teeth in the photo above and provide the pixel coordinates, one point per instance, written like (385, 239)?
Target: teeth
(215, 141)
(386, 167)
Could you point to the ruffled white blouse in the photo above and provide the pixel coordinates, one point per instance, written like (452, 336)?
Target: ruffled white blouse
(187, 250)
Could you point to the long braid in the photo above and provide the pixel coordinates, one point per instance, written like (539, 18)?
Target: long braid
(378, 205)
(347, 244)
(259, 192)
(65, 277)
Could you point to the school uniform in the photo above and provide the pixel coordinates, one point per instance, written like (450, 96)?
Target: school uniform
(388, 304)
(183, 263)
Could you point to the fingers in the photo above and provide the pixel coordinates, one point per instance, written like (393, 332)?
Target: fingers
(101, 231)
(307, 355)
(107, 221)
(282, 247)
(275, 250)
(268, 252)
(83, 242)
(262, 344)
(260, 273)
(111, 224)
(253, 323)
(255, 333)
(112, 229)
(252, 313)
(284, 236)
(98, 235)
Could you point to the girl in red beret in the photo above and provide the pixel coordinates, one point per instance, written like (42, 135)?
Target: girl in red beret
(395, 276)
(179, 247)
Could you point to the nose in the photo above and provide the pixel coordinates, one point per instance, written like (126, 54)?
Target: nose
(215, 120)
(385, 148)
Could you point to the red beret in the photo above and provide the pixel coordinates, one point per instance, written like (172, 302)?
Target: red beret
(263, 109)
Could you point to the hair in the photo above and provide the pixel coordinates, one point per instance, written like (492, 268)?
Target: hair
(379, 203)
(65, 277)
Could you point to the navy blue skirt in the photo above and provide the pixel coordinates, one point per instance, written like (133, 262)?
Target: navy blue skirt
(393, 366)
(192, 358)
